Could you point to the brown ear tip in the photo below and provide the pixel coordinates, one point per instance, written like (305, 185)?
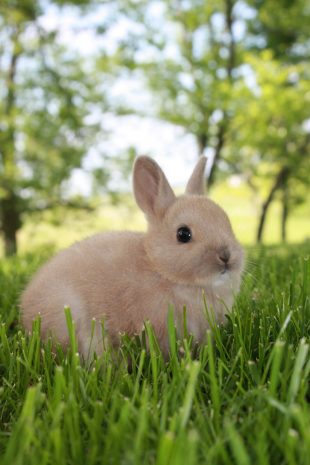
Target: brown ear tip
(142, 157)
(144, 160)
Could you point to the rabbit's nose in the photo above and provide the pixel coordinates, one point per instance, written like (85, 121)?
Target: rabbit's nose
(224, 255)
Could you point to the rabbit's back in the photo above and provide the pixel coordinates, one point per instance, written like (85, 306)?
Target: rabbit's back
(107, 275)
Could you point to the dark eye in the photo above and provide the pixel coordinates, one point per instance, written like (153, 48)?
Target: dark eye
(184, 234)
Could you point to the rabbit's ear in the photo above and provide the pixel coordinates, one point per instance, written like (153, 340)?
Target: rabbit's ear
(152, 191)
(196, 183)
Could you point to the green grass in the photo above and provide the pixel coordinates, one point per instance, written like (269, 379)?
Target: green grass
(243, 399)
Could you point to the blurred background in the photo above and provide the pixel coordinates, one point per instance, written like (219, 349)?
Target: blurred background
(87, 85)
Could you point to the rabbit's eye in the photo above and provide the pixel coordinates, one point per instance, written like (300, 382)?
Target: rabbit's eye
(184, 234)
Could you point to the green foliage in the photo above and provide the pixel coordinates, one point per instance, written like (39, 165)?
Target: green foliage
(186, 59)
(277, 109)
(235, 75)
(46, 114)
(232, 73)
(46, 94)
(243, 399)
(283, 26)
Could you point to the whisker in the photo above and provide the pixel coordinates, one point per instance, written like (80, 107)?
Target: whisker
(252, 266)
(253, 277)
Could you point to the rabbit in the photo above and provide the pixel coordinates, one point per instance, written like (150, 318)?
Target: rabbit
(189, 253)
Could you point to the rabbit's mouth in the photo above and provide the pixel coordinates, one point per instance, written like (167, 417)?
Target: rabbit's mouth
(227, 277)
(225, 270)
(222, 278)
(230, 267)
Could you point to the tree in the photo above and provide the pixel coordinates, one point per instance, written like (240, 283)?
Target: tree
(187, 55)
(197, 59)
(270, 131)
(45, 97)
(281, 26)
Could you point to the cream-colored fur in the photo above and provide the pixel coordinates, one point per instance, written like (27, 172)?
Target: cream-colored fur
(128, 278)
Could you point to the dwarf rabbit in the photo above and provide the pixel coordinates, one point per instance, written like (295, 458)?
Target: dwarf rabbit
(189, 251)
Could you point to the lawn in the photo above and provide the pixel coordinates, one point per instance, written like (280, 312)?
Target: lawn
(242, 399)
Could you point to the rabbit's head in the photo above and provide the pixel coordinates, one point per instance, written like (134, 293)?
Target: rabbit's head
(189, 240)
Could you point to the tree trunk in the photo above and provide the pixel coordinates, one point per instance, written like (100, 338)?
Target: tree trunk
(230, 64)
(279, 181)
(229, 25)
(10, 243)
(217, 153)
(202, 141)
(285, 212)
(10, 223)
(9, 204)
